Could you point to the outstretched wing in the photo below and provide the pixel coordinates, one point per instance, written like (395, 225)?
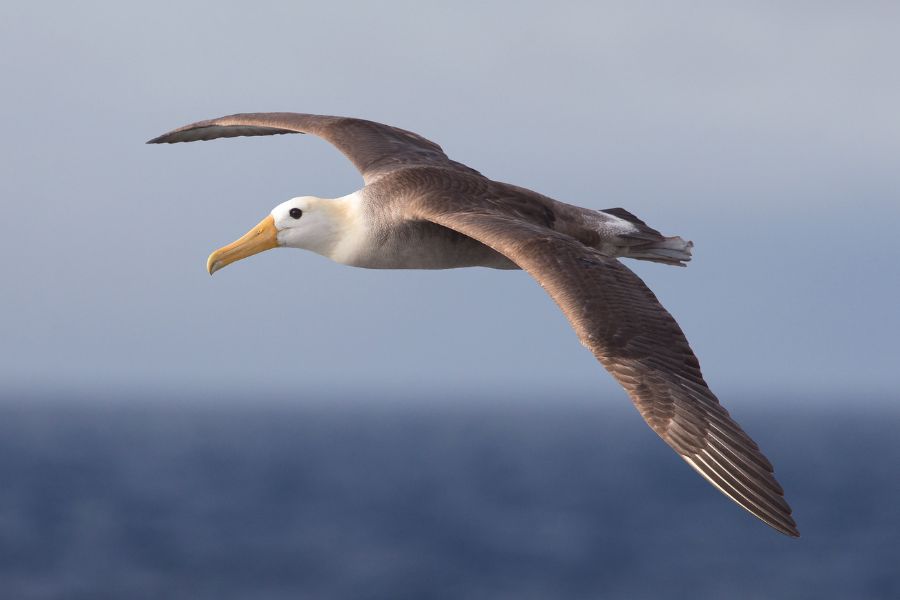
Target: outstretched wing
(619, 319)
(373, 148)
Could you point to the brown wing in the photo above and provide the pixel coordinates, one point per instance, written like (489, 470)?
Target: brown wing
(619, 319)
(373, 148)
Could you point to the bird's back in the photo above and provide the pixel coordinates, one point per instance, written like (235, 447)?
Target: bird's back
(394, 240)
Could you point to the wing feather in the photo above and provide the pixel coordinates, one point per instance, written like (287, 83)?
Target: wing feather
(374, 149)
(620, 320)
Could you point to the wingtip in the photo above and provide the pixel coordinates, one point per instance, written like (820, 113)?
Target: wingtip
(785, 525)
(792, 532)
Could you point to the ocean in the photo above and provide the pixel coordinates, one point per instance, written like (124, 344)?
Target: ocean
(184, 499)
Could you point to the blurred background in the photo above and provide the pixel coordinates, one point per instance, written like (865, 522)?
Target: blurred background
(295, 428)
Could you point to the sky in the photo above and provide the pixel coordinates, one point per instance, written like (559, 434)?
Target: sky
(767, 133)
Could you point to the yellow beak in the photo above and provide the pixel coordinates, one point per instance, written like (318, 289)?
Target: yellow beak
(262, 237)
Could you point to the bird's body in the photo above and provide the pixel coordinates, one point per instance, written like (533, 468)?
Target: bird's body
(421, 210)
(377, 239)
(371, 228)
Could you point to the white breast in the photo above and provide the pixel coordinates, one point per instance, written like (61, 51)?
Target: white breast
(376, 241)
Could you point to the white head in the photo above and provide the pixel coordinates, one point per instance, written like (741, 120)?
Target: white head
(304, 222)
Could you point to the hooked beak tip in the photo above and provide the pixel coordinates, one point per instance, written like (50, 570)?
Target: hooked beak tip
(212, 265)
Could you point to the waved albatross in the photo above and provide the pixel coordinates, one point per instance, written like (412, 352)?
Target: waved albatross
(421, 210)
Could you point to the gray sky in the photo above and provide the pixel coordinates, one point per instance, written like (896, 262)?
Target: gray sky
(768, 134)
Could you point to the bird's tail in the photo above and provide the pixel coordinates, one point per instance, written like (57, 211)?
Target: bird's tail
(642, 242)
(668, 250)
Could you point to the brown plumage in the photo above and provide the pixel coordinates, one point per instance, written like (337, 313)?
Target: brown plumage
(412, 187)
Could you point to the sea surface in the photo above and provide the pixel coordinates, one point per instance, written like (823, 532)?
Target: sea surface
(196, 500)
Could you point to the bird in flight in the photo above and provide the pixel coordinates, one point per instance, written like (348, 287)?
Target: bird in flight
(419, 209)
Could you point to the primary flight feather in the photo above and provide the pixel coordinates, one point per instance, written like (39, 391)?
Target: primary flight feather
(421, 210)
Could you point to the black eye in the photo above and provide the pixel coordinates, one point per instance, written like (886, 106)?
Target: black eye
(296, 213)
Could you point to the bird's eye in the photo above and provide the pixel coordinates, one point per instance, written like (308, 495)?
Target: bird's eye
(296, 213)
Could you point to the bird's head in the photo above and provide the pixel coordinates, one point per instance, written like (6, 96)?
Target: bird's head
(305, 222)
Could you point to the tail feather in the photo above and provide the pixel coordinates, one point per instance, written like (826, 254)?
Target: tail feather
(669, 250)
(631, 237)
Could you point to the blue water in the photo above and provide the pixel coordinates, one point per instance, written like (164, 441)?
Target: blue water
(565, 501)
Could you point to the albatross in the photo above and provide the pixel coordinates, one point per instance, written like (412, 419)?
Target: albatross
(418, 209)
